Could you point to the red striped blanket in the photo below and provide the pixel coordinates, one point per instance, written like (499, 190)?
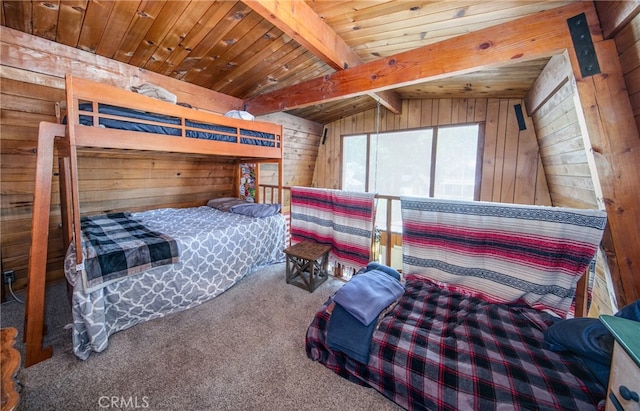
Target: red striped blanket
(501, 252)
(341, 219)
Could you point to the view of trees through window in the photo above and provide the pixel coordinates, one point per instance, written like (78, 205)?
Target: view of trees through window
(438, 162)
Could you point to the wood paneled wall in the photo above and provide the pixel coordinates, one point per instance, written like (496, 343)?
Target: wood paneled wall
(108, 182)
(628, 45)
(589, 137)
(23, 106)
(570, 172)
(627, 42)
(511, 167)
(300, 150)
(568, 158)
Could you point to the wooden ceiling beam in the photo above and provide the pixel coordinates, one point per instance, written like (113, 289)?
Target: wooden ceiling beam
(301, 23)
(540, 35)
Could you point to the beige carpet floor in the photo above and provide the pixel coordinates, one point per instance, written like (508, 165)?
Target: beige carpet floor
(243, 350)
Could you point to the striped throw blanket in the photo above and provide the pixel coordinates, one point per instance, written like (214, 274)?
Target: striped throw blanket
(501, 252)
(341, 219)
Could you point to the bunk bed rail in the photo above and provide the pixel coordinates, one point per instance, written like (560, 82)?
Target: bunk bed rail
(112, 118)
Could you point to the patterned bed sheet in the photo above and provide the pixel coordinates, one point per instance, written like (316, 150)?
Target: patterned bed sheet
(442, 350)
(217, 249)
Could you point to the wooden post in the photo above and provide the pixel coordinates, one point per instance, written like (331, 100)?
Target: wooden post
(582, 295)
(610, 127)
(34, 310)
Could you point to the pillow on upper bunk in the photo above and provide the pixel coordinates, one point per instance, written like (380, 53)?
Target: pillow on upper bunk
(157, 92)
(242, 115)
(225, 203)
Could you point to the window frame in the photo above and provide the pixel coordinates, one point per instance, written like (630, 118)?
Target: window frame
(432, 174)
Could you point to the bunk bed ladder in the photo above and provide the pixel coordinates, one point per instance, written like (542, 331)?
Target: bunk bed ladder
(34, 310)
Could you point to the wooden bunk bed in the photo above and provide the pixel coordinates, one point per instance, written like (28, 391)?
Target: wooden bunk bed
(92, 108)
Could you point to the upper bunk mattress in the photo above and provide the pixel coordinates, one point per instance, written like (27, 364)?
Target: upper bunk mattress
(147, 122)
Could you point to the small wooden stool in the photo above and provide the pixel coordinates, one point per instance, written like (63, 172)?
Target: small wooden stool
(307, 261)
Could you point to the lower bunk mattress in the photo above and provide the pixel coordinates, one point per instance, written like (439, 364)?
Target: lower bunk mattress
(437, 349)
(216, 249)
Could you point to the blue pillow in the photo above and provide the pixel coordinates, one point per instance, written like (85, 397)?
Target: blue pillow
(256, 209)
(384, 268)
(589, 339)
(630, 311)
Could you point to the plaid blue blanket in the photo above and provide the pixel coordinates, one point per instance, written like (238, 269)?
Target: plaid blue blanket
(441, 350)
(116, 246)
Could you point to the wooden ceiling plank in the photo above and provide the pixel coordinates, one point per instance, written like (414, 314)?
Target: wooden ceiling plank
(224, 35)
(21, 50)
(71, 15)
(416, 24)
(246, 47)
(540, 35)
(308, 65)
(328, 10)
(410, 13)
(44, 15)
(140, 24)
(300, 65)
(161, 26)
(221, 44)
(414, 37)
(95, 20)
(407, 37)
(177, 33)
(252, 71)
(119, 21)
(511, 81)
(299, 21)
(345, 107)
(260, 79)
(459, 18)
(270, 42)
(256, 78)
(17, 15)
(237, 76)
(217, 21)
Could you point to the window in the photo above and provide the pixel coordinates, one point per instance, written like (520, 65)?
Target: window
(457, 164)
(439, 162)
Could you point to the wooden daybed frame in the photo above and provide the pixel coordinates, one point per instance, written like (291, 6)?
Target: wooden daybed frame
(73, 136)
